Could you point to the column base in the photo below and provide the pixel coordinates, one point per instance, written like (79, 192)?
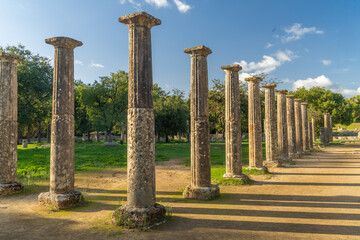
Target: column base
(272, 164)
(10, 188)
(201, 193)
(263, 168)
(241, 177)
(61, 201)
(137, 217)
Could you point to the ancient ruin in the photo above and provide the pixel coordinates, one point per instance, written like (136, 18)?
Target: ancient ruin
(270, 127)
(8, 124)
(200, 186)
(311, 144)
(233, 124)
(291, 129)
(282, 126)
(254, 119)
(305, 127)
(313, 127)
(62, 156)
(298, 127)
(327, 126)
(141, 209)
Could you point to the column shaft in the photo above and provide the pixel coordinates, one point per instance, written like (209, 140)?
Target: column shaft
(298, 127)
(313, 126)
(291, 129)
(311, 144)
(305, 130)
(282, 125)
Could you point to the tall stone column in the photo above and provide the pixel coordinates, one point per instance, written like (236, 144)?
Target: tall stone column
(270, 127)
(141, 209)
(311, 144)
(233, 124)
(298, 127)
(305, 127)
(313, 127)
(291, 129)
(330, 130)
(282, 125)
(8, 124)
(254, 121)
(200, 186)
(62, 153)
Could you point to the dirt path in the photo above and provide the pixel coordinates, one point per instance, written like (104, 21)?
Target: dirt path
(318, 198)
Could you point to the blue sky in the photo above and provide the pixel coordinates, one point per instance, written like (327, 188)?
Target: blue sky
(303, 43)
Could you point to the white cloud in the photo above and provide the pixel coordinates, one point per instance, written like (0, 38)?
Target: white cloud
(158, 3)
(268, 63)
(181, 6)
(122, 1)
(269, 45)
(96, 65)
(320, 81)
(296, 32)
(243, 75)
(78, 62)
(326, 62)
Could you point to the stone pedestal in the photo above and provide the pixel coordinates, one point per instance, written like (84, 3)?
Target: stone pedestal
(282, 130)
(305, 127)
(24, 143)
(200, 187)
(291, 129)
(298, 127)
(313, 127)
(270, 127)
(311, 144)
(254, 121)
(8, 124)
(233, 124)
(141, 209)
(62, 163)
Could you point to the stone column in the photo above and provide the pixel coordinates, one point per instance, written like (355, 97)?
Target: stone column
(313, 127)
(200, 187)
(62, 153)
(330, 130)
(282, 125)
(305, 127)
(311, 144)
(324, 136)
(141, 209)
(8, 124)
(255, 132)
(233, 124)
(270, 127)
(291, 129)
(298, 127)
(327, 126)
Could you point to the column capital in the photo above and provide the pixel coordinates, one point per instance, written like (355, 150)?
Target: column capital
(198, 50)
(298, 100)
(63, 42)
(253, 79)
(140, 19)
(272, 85)
(10, 57)
(290, 96)
(232, 68)
(281, 91)
(304, 103)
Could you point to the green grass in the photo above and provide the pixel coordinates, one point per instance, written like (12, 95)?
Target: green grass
(351, 126)
(218, 172)
(34, 162)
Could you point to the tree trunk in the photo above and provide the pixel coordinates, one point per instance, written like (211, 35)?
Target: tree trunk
(39, 133)
(122, 136)
(166, 138)
(97, 136)
(106, 136)
(110, 136)
(179, 137)
(28, 133)
(48, 131)
(89, 136)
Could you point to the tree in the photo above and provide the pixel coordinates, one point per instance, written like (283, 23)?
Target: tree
(34, 91)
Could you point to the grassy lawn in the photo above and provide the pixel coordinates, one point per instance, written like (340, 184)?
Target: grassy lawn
(34, 162)
(352, 126)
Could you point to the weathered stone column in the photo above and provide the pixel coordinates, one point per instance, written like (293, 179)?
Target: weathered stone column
(141, 209)
(255, 132)
(283, 146)
(327, 126)
(298, 127)
(330, 130)
(62, 153)
(324, 136)
(233, 124)
(305, 127)
(200, 186)
(311, 144)
(8, 124)
(313, 127)
(291, 129)
(270, 127)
